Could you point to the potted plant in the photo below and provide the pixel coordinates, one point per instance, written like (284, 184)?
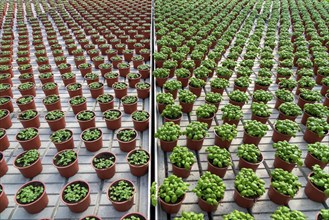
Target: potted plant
(28, 118)
(196, 85)
(46, 77)
(26, 77)
(250, 156)
(3, 164)
(245, 180)
(104, 165)
(285, 212)
(120, 89)
(238, 98)
(164, 99)
(260, 112)
(27, 88)
(86, 119)
(288, 84)
(218, 85)
(208, 200)
(66, 162)
(168, 135)
(68, 78)
(213, 98)
(284, 186)
(161, 76)
(284, 130)
(74, 89)
(316, 110)
(105, 101)
(140, 120)
(5, 90)
(4, 141)
(55, 120)
(121, 194)
(287, 156)
(4, 202)
(206, 113)
(262, 96)
(219, 160)
(91, 77)
(183, 75)
(111, 78)
(172, 112)
(317, 188)
(6, 103)
(182, 160)
(242, 83)
(305, 82)
(283, 95)
(238, 215)
(144, 71)
(5, 120)
(124, 69)
(172, 194)
(129, 103)
(127, 139)
(85, 68)
(143, 90)
(76, 196)
(172, 87)
(308, 96)
(133, 79)
(289, 110)
(186, 100)
(113, 119)
(316, 129)
(224, 72)
(29, 163)
(78, 104)
(133, 215)
(138, 161)
(29, 138)
(32, 197)
(317, 153)
(253, 132)
(105, 68)
(231, 114)
(92, 138)
(262, 83)
(159, 59)
(195, 134)
(26, 102)
(62, 139)
(52, 102)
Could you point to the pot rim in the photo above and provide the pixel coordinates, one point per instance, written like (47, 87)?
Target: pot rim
(7, 115)
(136, 149)
(55, 119)
(101, 135)
(116, 181)
(122, 129)
(25, 120)
(53, 161)
(24, 168)
(141, 111)
(67, 139)
(29, 139)
(82, 200)
(169, 204)
(26, 184)
(86, 110)
(313, 185)
(5, 134)
(120, 116)
(8, 101)
(104, 152)
(132, 214)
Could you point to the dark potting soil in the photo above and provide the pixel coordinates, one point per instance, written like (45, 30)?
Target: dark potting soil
(81, 184)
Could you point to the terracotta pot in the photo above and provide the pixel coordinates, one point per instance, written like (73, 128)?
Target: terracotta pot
(125, 205)
(195, 91)
(208, 121)
(51, 91)
(94, 145)
(69, 170)
(301, 102)
(129, 108)
(246, 164)
(277, 136)
(8, 105)
(23, 107)
(141, 125)
(311, 137)
(127, 146)
(68, 81)
(57, 124)
(39, 204)
(194, 144)
(34, 122)
(244, 202)
(217, 170)
(114, 124)
(176, 121)
(221, 143)
(85, 71)
(171, 208)
(277, 197)
(313, 192)
(259, 87)
(242, 89)
(68, 144)
(144, 73)
(7, 92)
(30, 91)
(282, 116)
(31, 170)
(324, 90)
(53, 106)
(259, 118)
(184, 81)
(3, 165)
(106, 173)
(161, 81)
(111, 81)
(279, 163)
(240, 104)
(143, 93)
(168, 146)
(186, 107)
(248, 139)
(134, 214)
(319, 78)
(305, 117)
(132, 82)
(3, 200)
(33, 143)
(138, 170)
(85, 124)
(4, 141)
(181, 172)
(78, 108)
(206, 207)
(81, 205)
(5, 122)
(106, 106)
(278, 103)
(311, 160)
(73, 93)
(119, 93)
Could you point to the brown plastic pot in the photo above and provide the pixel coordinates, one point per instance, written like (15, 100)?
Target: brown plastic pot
(94, 145)
(5, 122)
(246, 164)
(53, 106)
(278, 103)
(129, 108)
(277, 136)
(259, 118)
(127, 146)
(140, 170)
(222, 143)
(240, 104)
(184, 81)
(301, 102)
(326, 100)
(282, 116)
(244, 202)
(195, 91)
(313, 192)
(168, 146)
(206, 206)
(134, 214)
(78, 108)
(39, 204)
(7, 92)
(81, 205)
(279, 163)
(278, 197)
(324, 90)
(231, 122)
(171, 208)
(242, 89)
(194, 144)
(31, 170)
(259, 87)
(219, 171)
(73, 93)
(248, 139)
(53, 91)
(208, 121)
(97, 92)
(186, 107)
(30, 91)
(68, 144)
(4, 141)
(8, 105)
(106, 173)
(181, 172)
(114, 124)
(305, 117)
(161, 81)
(23, 107)
(141, 125)
(311, 160)
(143, 93)
(311, 137)
(125, 205)
(33, 143)
(119, 93)
(176, 120)
(85, 124)
(3, 165)
(91, 217)
(69, 170)
(3, 200)
(33, 122)
(106, 106)
(57, 124)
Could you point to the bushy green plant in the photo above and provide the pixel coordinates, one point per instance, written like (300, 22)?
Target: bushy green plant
(138, 158)
(190, 215)
(237, 215)
(283, 212)
(91, 134)
(263, 81)
(231, 112)
(169, 131)
(290, 109)
(213, 97)
(226, 131)
(129, 99)
(206, 111)
(65, 158)
(61, 135)
(238, 96)
(172, 111)
(242, 82)
(219, 83)
(248, 184)
(182, 157)
(27, 134)
(288, 84)
(165, 98)
(103, 161)
(317, 125)
(85, 115)
(196, 130)
(105, 98)
(310, 95)
(27, 158)
(250, 153)
(285, 182)
(122, 191)
(77, 100)
(219, 157)
(172, 85)
(173, 189)
(287, 127)
(255, 128)
(319, 151)
(288, 152)
(260, 109)
(50, 99)
(75, 192)
(27, 115)
(186, 96)
(29, 193)
(284, 95)
(197, 83)
(161, 73)
(316, 110)
(262, 96)
(126, 135)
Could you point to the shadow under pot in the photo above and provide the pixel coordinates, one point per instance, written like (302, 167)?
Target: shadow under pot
(29, 118)
(74, 89)
(138, 161)
(140, 120)
(121, 194)
(52, 102)
(314, 192)
(113, 119)
(4, 141)
(5, 120)
(129, 104)
(104, 165)
(29, 163)
(78, 104)
(127, 138)
(3, 199)
(29, 138)
(92, 138)
(32, 197)
(26, 103)
(56, 120)
(76, 196)
(66, 162)
(86, 119)
(3, 165)
(62, 139)
(133, 215)
(106, 102)
(6, 103)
